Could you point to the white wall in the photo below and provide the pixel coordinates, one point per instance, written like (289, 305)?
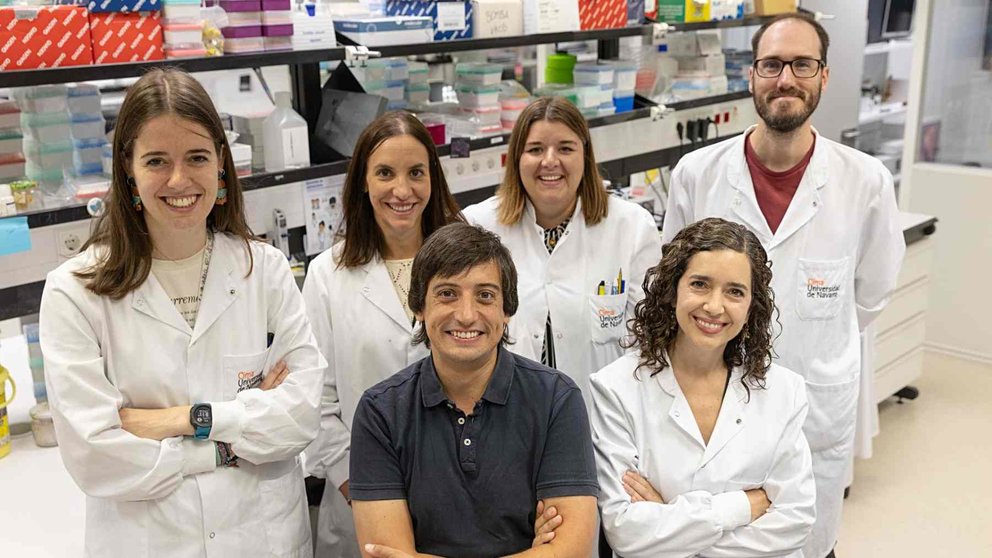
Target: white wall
(960, 301)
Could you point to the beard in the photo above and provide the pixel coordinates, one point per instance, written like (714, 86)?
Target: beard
(786, 122)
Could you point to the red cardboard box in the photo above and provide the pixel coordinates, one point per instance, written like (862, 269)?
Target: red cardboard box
(44, 37)
(131, 37)
(602, 14)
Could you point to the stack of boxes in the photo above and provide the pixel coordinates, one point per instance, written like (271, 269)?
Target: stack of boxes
(249, 129)
(64, 133)
(126, 31)
(386, 77)
(244, 29)
(36, 361)
(418, 90)
(477, 86)
(183, 30)
(738, 61)
(11, 142)
(592, 77)
(277, 25)
(702, 65)
(88, 129)
(624, 85)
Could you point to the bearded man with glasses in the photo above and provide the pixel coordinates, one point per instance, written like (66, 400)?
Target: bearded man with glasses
(826, 215)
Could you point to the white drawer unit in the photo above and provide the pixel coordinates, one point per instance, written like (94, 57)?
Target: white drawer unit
(901, 329)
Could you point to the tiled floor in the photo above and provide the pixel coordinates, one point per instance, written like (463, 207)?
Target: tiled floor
(927, 490)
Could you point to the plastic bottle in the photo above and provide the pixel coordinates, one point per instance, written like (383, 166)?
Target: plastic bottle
(286, 138)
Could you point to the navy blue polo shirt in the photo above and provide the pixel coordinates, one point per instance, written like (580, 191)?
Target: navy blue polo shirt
(472, 482)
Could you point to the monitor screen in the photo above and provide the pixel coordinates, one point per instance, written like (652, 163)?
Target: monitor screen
(898, 19)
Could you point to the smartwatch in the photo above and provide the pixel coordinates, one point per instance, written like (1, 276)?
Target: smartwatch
(201, 417)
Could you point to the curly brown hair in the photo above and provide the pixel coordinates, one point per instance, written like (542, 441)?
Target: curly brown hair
(653, 328)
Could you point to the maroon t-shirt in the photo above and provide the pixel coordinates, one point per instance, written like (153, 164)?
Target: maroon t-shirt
(774, 190)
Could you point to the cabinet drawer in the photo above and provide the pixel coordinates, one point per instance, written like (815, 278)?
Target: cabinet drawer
(898, 375)
(899, 341)
(916, 263)
(906, 303)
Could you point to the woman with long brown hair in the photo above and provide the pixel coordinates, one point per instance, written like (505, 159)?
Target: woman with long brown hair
(698, 436)
(395, 196)
(581, 252)
(156, 338)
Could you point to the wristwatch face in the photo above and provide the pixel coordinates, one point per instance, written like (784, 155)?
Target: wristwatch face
(201, 415)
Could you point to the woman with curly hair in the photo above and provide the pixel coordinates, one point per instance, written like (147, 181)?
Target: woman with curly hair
(698, 436)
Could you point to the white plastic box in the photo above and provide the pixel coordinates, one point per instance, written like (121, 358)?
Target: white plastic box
(386, 31)
(550, 16)
(593, 74)
(475, 73)
(497, 18)
(472, 96)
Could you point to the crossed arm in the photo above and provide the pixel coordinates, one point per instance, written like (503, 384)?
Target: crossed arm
(565, 527)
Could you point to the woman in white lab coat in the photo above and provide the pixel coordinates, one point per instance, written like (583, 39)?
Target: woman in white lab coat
(580, 252)
(698, 437)
(156, 338)
(395, 196)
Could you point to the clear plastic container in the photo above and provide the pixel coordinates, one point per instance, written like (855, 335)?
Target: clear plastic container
(624, 75)
(87, 126)
(593, 74)
(486, 116)
(85, 103)
(87, 156)
(184, 51)
(46, 127)
(46, 156)
(12, 168)
(10, 115)
(391, 90)
(277, 18)
(237, 19)
(11, 141)
(418, 93)
(277, 43)
(41, 98)
(182, 12)
(473, 96)
(283, 30)
(247, 44)
(418, 72)
(183, 33)
(286, 137)
(42, 426)
(476, 73)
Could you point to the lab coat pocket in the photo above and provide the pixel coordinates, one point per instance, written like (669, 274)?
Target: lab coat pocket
(243, 372)
(284, 509)
(607, 317)
(832, 415)
(822, 288)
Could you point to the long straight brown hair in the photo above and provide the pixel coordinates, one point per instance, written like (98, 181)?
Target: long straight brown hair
(363, 240)
(511, 193)
(121, 232)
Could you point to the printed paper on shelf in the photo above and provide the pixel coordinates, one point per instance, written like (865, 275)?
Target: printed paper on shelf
(120, 37)
(44, 37)
(602, 14)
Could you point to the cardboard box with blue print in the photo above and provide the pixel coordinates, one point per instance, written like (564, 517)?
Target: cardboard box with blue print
(452, 19)
(125, 6)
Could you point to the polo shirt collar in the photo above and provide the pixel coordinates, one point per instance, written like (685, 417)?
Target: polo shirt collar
(497, 391)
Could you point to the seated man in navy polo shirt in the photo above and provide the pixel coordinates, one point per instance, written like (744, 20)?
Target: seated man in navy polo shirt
(452, 455)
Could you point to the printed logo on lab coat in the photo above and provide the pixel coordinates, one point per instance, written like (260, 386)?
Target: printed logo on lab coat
(248, 379)
(609, 318)
(819, 289)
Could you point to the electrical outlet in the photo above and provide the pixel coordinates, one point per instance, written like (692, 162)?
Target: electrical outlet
(68, 244)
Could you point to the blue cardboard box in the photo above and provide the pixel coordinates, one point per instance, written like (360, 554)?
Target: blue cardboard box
(125, 6)
(452, 18)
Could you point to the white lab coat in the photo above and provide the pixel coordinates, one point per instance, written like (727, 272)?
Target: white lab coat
(644, 423)
(146, 498)
(587, 326)
(363, 331)
(835, 258)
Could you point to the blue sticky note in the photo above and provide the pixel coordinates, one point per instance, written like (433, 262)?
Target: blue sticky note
(14, 235)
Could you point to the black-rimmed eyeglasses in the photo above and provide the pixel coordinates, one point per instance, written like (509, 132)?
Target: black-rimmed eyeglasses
(803, 68)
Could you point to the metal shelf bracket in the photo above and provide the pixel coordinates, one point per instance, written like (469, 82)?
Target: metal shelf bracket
(359, 55)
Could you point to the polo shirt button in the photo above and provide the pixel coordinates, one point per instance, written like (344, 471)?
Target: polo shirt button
(212, 535)
(461, 420)
(738, 421)
(468, 442)
(559, 336)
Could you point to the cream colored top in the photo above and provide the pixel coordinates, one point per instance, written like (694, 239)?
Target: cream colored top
(181, 281)
(399, 274)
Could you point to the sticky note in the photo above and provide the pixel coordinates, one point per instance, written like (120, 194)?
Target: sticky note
(14, 235)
